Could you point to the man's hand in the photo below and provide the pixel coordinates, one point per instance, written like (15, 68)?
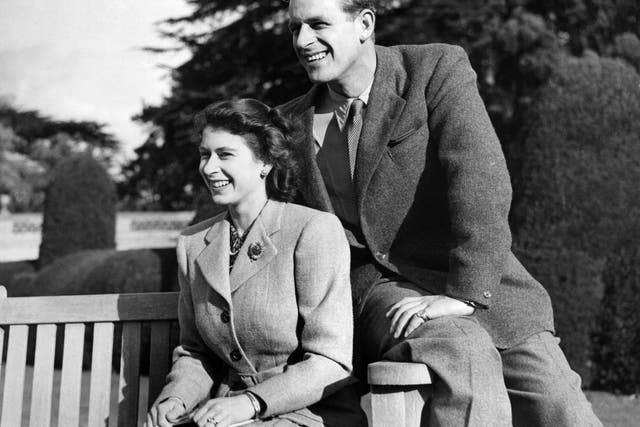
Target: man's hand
(403, 313)
(224, 411)
(165, 413)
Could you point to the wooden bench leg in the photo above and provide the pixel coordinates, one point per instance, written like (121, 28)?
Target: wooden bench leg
(399, 392)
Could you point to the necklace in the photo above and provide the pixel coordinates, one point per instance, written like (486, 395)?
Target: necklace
(236, 240)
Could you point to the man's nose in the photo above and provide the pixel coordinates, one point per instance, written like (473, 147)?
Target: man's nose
(305, 36)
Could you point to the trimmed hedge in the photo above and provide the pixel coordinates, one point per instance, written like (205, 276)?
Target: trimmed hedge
(576, 191)
(617, 343)
(9, 269)
(79, 209)
(579, 156)
(21, 284)
(101, 271)
(575, 285)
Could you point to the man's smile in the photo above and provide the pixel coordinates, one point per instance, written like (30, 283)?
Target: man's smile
(315, 57)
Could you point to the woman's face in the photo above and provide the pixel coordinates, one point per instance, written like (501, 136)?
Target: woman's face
(230, 169)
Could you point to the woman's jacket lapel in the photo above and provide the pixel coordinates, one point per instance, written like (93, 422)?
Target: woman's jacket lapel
(214, 258)
(265, 226)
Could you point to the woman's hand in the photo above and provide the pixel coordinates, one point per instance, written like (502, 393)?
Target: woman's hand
(224, 411)
(403, 313)
(165, 413)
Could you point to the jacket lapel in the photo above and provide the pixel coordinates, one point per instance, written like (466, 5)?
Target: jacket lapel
(266, 225)
(380, 120)
(312, 185)
(214, 259)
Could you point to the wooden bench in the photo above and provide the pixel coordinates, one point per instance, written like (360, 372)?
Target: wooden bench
(398, 390)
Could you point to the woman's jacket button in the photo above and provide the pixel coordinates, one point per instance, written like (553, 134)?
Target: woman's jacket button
(224, 316)
(235, 355)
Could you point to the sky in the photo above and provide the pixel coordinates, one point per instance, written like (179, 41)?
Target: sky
(82, 60)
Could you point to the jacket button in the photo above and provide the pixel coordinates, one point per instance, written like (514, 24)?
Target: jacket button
(381, 255)
(235, 355)
(487, 294)
(224, 316)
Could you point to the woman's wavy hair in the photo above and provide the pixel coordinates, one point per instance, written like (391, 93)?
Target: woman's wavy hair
(268, 133)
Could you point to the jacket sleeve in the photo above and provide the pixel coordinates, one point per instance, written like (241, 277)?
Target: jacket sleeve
(321, 269)
(191, 376)
(478, 184)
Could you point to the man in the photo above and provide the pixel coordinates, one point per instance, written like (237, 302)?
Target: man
(398, 144)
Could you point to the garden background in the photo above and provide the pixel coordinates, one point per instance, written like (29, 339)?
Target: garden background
(561, 83)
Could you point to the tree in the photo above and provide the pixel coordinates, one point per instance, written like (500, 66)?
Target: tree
(31, 145)
(80, 209)
(243, 49)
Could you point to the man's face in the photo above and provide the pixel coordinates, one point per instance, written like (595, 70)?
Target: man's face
(327, 41)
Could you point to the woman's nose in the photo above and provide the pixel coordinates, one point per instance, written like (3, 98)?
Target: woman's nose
(210, 165)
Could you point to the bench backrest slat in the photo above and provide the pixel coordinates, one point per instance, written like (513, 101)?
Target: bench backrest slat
(138, 314)
(100, 388)
(1, 340)
(159, 358)
(89, 308)
(42, 388)
(71, 378)
(14, 376)
(129, 374)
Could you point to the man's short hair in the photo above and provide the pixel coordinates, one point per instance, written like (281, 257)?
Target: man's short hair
(356, 6)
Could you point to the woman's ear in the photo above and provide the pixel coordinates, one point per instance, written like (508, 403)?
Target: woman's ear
(265, 170)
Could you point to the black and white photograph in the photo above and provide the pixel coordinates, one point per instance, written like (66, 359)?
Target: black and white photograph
(320, 213)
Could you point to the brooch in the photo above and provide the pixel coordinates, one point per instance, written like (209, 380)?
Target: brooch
(255, 250)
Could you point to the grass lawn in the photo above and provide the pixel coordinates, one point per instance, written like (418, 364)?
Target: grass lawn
(613, 411)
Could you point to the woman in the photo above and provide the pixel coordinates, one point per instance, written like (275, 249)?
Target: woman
(265, 304)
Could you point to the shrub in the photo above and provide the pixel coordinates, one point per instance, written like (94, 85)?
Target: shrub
(21, 284)
(627, 46)
(574, 282)
(79, 209)
(576, 190)
(103, 271)
(579, 156)
(618, 340)
(10, 269)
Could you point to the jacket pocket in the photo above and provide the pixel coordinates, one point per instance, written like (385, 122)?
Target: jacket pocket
(401, 136)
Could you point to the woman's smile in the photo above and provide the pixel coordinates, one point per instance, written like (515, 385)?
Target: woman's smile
(218, 184)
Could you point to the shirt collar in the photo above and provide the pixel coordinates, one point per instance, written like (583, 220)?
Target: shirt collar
(341, 104)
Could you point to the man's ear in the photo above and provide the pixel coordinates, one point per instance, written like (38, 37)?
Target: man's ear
(368, 23)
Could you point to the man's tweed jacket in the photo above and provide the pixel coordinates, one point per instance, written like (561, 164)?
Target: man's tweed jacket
(433, 192)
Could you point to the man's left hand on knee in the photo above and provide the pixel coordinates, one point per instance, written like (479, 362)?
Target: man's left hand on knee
(410, 312)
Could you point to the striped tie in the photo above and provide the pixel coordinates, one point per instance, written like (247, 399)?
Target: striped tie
(354, 126)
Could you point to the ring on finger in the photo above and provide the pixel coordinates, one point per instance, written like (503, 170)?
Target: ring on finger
(422, 314)
(212, 420)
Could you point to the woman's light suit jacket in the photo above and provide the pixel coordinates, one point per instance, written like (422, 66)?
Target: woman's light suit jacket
(279, 325)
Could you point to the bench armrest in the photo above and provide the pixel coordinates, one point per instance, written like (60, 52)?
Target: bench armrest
(399, 391)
